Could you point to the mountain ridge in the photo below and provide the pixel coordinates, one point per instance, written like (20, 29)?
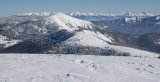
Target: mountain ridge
(89, 14)
(60, 33)
(69, 23)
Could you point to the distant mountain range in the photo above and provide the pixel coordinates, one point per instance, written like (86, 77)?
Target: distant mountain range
(93, 16)
(69, 34)
(132, 25)
(103, 16)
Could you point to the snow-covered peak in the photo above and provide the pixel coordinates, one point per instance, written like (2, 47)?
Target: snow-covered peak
(140, 14)
(81, 14)
(157, 17)
(89, 14)
(130, 19)
(37, 14)
(133, 19)
(128, 14)
(69, 23)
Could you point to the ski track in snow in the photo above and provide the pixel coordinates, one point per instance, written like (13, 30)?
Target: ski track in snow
(77, 68)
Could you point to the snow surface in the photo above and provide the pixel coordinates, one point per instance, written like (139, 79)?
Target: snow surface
(69, 23)
(77, 68)
(89, 38)
(96, 39)
(158, 18)
(6, 42)
(158, 23)
(158, 42)
(132, 20)
(134, 52)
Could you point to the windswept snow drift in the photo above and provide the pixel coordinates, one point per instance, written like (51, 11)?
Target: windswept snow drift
(76, 68)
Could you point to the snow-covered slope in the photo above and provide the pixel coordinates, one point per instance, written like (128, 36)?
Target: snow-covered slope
(69, 23)
(89, 38)
(6, 42)
(76, 68)
(96, 39)
(42, 27)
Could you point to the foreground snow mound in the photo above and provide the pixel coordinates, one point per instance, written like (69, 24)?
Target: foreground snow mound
(76, 68)
(69, 23)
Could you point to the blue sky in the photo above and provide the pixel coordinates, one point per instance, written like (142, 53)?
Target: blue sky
(11, 7)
